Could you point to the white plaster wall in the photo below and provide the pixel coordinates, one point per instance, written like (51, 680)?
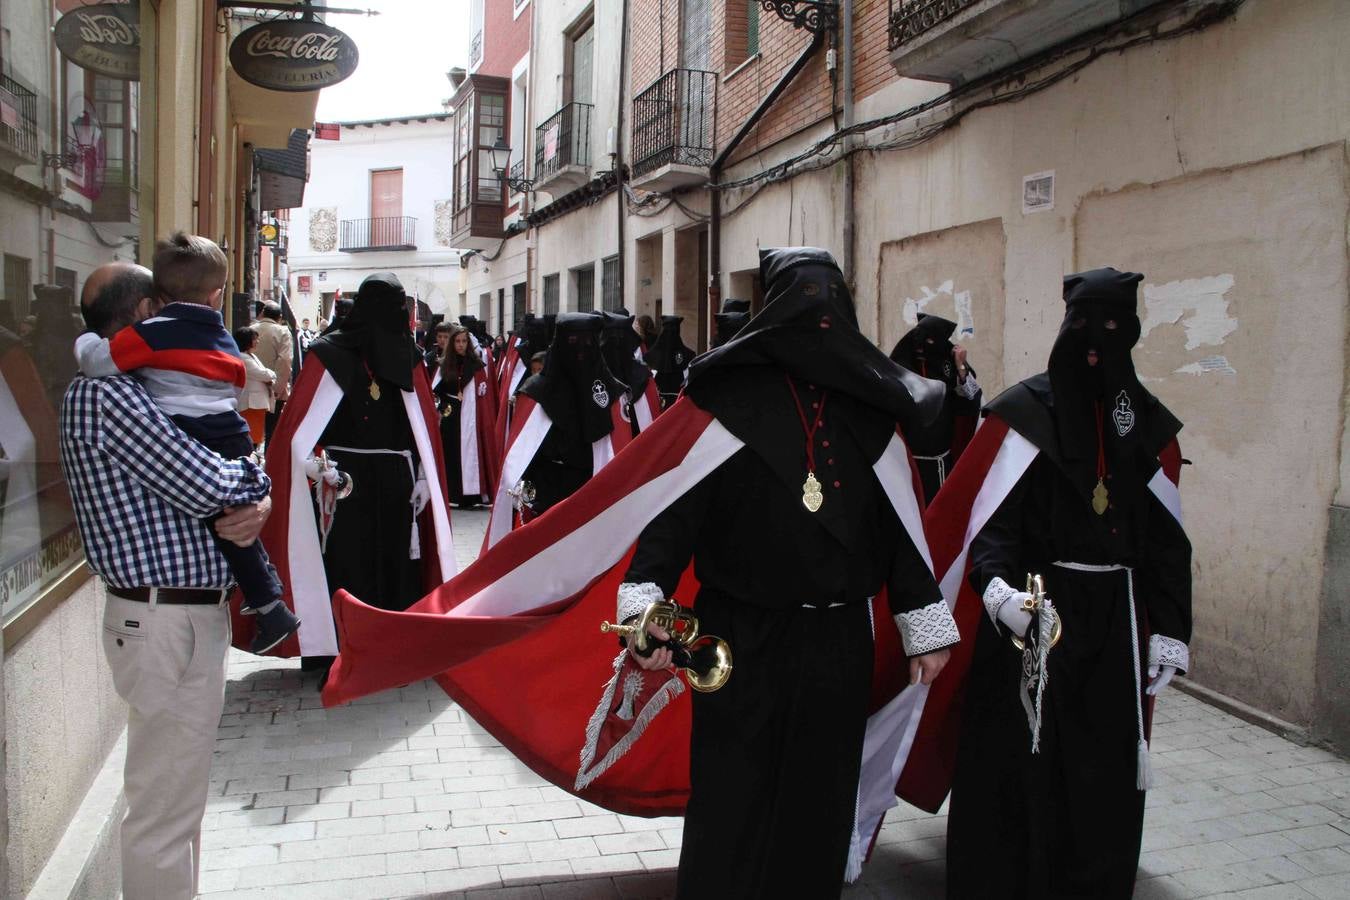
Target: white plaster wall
(340, 179)
(61, 718)
(582, 237)
(488, 276)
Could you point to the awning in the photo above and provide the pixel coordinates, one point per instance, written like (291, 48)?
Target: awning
(266, 118)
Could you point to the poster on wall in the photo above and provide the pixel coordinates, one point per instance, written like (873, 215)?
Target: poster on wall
(293, 55)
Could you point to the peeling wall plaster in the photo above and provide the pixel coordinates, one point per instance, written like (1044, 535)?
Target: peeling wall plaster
(1200, 306)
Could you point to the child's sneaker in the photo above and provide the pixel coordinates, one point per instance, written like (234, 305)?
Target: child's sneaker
(275, 623)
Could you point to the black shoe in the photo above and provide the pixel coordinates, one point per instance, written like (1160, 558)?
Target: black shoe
(275, 623)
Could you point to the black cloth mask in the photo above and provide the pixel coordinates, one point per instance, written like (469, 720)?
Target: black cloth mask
(808, 329)
(927, 349)
(618, 344)
(669, 355)
(575, 388)
(375, 334)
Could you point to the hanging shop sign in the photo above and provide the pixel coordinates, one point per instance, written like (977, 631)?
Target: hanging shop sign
(269, 234)
(104, 39)
(293, 55)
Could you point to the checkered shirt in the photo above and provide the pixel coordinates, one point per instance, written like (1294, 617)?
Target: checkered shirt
(142, 488)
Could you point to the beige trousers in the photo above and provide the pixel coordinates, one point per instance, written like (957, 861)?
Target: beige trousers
(168, 663)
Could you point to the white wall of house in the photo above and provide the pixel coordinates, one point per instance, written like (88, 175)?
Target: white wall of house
(339, 189)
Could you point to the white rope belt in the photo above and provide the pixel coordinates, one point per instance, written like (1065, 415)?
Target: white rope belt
(415, 541)
(941, 460)
(1143, 774)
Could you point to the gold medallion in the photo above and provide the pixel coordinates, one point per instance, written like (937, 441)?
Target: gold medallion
(812, 498)
(1099, 498)
(374, 391)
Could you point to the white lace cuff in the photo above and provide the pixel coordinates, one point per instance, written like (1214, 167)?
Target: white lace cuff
(995, 595)
(634, 599)
(1166, 651)
(970, 389)
(927, 629)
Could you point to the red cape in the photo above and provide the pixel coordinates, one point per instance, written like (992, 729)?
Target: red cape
(515, 637)
(291, 532)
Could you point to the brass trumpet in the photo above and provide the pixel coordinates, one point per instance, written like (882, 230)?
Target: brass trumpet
(1033, 604)
(705, 660)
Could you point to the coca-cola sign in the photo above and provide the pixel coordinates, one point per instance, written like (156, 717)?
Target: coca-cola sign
(105, 39)
(293, 55)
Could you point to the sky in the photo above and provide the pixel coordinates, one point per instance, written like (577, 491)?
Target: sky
(405, 53)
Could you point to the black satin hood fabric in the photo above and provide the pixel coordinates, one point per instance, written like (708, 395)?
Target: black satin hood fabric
(575, 388)
(1093, 301)
(618, 344)
(669, 355)
(735, 313)
(808, 329)
(375, 334)
(915, 352)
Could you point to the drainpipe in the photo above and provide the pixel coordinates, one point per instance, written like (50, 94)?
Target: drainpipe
(619, 174)
(720, 161)
(846, 49)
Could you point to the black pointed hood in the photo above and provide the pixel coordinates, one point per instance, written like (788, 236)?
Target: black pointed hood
(575, 388)
(618, 344)
(374, 334)
(735, 313)
(927, 349)
(809, 329)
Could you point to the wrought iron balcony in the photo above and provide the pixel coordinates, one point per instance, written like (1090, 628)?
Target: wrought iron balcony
(516, 174)
(961, 40)
(18, 122)
(674, 132)
(562, 148)
(382, 233)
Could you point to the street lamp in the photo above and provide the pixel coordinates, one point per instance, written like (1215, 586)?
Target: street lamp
(501, 164)
(83, 130)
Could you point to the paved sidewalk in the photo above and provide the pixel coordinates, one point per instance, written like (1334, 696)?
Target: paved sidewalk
(402, 795)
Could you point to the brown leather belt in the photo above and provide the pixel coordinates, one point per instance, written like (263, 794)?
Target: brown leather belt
(181, 596)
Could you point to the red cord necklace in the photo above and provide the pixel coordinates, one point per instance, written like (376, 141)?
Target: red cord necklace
(1100, 499)
(812, 498)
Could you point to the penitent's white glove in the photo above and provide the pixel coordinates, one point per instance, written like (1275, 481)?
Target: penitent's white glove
(421, 496)
(314, 470)
(1159, 678)
(1004, 606)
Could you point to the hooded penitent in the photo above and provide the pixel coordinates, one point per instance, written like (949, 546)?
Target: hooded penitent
(927, 350)
(576, 388)
(1073, 477)
(842, 594)
(619, 345)
(735, 313)
(669, 358)
(373, 339)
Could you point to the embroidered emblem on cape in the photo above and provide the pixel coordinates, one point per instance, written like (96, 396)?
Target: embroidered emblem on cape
(625, 405)
(599, 394)
(631, 700)
(1123, 414)
(482, 388)
(947, 370)
(679, 359)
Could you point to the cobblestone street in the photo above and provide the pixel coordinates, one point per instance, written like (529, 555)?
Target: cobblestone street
(402, 795)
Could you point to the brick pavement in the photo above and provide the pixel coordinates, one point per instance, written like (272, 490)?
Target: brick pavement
(402, 795)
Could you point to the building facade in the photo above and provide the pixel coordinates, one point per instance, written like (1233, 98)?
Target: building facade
(672, 139)
(378, 201)
(119, 123)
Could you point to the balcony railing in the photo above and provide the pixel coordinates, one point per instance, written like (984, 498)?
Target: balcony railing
(673, 121)
(383, 233)
(564, 139)
(476, 49)
(18, 118)
(911, 18)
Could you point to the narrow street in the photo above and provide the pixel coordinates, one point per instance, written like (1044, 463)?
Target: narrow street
(402, 795)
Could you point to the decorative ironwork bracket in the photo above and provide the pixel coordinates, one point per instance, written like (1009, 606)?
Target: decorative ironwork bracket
(813, 15)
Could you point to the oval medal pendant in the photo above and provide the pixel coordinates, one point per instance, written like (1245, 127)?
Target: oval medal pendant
(1100, 502)
(812, 498)
(374, 391)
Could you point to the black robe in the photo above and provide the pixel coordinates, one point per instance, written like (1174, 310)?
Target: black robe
(1067, 821)
(775, 754)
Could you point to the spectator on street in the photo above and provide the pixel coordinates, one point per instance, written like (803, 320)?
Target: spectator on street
(143, 491)
(259, 396)
(275, 352)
